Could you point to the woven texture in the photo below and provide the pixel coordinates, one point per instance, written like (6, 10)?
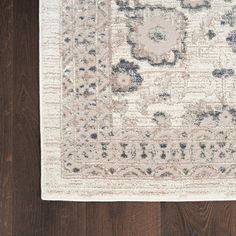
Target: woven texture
(138, 100)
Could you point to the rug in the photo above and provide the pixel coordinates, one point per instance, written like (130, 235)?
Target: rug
(138, 100)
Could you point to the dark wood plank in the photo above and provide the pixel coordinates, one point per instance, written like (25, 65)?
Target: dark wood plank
(99, 219)
(123, 219)
(27, 207)
(64, 218)
(233, 219)
(198, 219)
(6, 115)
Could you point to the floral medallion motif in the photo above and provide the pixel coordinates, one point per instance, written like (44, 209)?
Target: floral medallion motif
(125, 77)
(157, 34)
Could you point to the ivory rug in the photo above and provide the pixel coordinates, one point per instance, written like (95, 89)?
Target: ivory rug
(138, 100)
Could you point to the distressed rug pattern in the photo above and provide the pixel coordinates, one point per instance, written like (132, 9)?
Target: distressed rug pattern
(138, 100)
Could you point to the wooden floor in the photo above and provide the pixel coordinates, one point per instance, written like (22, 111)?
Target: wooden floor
(22, 213)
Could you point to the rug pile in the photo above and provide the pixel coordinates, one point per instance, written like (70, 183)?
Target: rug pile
(138, 100)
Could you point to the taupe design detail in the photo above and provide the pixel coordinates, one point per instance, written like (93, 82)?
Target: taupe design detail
(124, 5)
(210, 116)
(161, 119)
(229, 18)
(223, 73)
(211, 34)
(231, 40)
(125, 77)
(157, 34)
(195, 4)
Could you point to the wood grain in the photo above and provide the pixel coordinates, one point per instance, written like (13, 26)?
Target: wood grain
(64, 218)
(28, 209)
(22, 212)
(198, 219)
(123, 219)
(6, 115)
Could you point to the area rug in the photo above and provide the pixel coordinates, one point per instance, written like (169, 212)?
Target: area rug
(138, 100)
